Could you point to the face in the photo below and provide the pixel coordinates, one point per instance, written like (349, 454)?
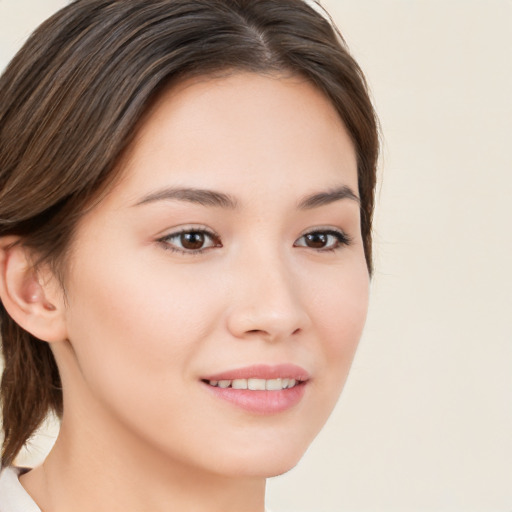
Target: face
(216, 296)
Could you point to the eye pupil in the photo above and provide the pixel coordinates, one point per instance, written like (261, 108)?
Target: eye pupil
(316, 240)
(192, 240)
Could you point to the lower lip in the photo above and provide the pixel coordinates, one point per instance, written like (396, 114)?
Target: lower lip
(261, 402)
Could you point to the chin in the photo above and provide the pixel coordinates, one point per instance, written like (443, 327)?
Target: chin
(262, 461)
(267, 469)
(281, 469)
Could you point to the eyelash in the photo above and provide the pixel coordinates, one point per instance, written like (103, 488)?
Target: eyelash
(342, 240)
(165, 241)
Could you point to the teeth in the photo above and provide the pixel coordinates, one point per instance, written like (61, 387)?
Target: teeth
(255, 384)
(274, 384)
(239, 384)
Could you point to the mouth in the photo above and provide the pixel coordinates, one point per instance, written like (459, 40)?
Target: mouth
(262, 389)
(254, 384)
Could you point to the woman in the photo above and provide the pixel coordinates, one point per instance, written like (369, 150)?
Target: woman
(186, 202)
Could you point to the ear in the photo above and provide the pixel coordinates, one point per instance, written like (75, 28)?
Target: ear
(32, 297)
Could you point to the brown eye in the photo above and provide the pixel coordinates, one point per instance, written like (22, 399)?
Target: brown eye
(316, 240)
(325, 240)
(192, 241)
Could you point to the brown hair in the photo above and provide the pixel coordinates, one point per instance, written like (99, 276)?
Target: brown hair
(72, 99)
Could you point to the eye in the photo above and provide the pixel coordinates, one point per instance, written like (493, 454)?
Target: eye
(323, 240)
(190, 241)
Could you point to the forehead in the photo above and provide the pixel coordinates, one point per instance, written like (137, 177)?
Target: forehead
(243, 130)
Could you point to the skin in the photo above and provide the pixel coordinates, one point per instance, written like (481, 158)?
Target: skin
(142, 324)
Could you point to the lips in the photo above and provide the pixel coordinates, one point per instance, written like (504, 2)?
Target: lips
(262, 371)
(260, 389)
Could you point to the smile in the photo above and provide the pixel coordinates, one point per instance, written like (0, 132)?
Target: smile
(255, 384)
(260, 389)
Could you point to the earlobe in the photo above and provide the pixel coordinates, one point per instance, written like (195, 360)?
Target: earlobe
(30, 298)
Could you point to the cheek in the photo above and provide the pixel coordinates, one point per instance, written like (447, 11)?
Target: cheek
(340, 309)
(135, 328)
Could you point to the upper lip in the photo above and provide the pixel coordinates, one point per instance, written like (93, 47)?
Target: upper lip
(262, 371)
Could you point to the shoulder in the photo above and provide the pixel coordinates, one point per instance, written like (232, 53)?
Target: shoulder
(13, 497)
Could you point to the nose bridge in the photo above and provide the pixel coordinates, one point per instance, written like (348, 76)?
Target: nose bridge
(267, 301)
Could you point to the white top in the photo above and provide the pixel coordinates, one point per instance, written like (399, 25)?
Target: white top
(13, 497)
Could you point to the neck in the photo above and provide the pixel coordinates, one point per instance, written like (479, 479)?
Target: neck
(114, 472)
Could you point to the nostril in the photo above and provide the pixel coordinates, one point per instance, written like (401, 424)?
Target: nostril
(267, 321)
(262, 332)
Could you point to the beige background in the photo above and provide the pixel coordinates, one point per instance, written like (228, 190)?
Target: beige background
(425, 422)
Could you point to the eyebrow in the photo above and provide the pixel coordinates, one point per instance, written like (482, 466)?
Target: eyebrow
(192, 195)
(325, 198)
(206, 197)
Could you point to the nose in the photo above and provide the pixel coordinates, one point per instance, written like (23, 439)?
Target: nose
(266, 301)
